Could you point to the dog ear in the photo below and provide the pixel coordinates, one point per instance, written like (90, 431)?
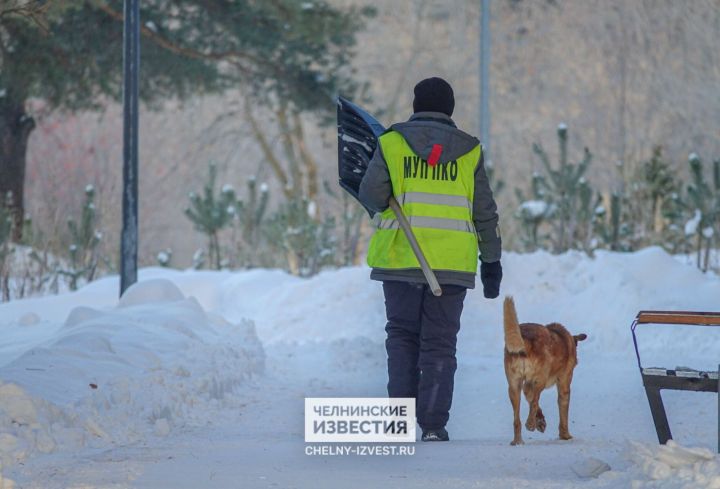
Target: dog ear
(579, 337)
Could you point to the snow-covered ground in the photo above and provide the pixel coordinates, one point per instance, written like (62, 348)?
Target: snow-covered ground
(197, 380)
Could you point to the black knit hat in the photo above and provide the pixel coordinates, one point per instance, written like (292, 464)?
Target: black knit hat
(434, 95)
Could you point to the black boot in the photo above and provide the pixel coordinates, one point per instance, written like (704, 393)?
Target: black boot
(435, 435)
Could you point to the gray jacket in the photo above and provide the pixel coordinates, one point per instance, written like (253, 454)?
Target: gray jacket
(422, 131)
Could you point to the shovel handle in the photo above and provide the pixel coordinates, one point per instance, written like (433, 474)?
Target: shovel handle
(405, 225)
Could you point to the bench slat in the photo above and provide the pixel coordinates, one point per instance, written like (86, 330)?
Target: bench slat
(679, 317)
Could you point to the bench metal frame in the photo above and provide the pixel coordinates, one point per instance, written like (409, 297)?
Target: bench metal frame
(656, 379)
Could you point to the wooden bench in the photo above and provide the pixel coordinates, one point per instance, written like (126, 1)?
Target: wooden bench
(685, 379)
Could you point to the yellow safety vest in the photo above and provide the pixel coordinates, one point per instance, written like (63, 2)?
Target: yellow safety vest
(437, 200)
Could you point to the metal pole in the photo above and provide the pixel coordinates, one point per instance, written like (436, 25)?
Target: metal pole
(131, 65)
(485, 77)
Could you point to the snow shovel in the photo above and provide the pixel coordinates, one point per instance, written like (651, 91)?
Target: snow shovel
(358, 134)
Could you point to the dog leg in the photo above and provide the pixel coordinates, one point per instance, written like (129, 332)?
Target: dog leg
(514, 392)
(563, 389)
(532, 395)
(540, 419)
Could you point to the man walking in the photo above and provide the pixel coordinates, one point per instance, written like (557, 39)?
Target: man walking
(436, 173)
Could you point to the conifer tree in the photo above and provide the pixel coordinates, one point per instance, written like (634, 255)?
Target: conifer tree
(83, 252)
(561, 197)
(703, 200)
(307, 243)
(211, 213)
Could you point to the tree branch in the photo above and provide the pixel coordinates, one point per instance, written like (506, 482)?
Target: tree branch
(232, 56)
(32, 10)
(267, 150)
(289, 148)
(306, 157)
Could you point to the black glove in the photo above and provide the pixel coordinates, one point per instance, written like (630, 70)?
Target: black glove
(491, 275)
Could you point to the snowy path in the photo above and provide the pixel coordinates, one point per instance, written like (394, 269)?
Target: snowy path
(263, 446)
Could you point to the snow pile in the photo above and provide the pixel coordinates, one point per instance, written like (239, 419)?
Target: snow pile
(672, 466)
(599, 296)
(115, 376)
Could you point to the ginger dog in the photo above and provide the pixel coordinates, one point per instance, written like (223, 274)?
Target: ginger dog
(538, 357)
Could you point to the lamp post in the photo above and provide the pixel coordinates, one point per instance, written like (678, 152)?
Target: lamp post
(131, 70)
(485, 76)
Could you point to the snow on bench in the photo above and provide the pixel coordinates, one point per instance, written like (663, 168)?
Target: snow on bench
(679, 372)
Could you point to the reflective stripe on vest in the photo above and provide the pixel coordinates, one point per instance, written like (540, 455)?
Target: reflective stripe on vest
(437, 201)
(430, 222)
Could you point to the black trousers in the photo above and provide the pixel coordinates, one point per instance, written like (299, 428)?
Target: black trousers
(421, 343)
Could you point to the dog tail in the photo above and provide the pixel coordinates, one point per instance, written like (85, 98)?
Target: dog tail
(513, 339)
